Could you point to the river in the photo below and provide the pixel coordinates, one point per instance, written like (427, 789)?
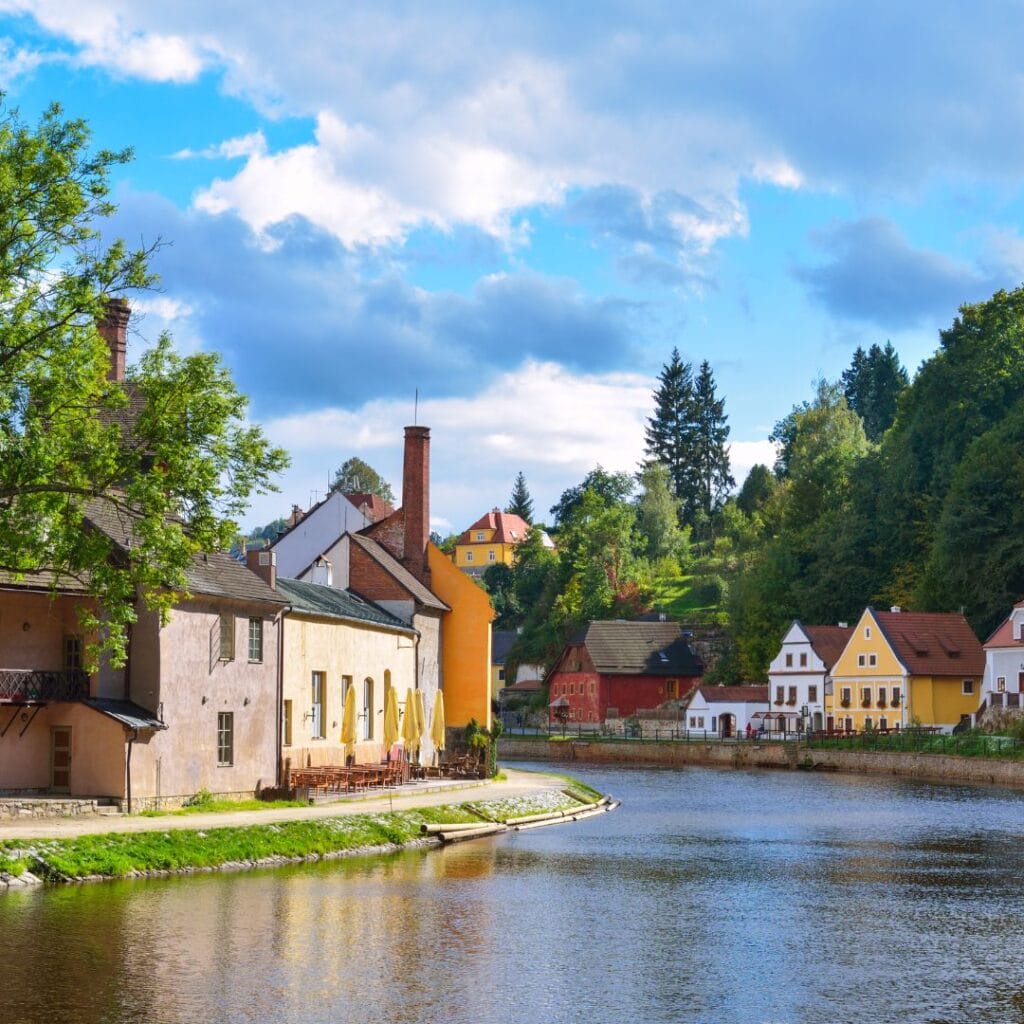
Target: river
(709, 896)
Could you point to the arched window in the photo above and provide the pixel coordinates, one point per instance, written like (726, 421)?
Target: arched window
(367, 708)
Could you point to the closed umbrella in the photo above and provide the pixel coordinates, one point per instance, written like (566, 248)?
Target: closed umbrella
(437, 724)
(348, 724)
(410, 734)
(390, 720)
(421, 720)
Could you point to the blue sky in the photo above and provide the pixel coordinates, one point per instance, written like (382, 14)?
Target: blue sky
(519, 209)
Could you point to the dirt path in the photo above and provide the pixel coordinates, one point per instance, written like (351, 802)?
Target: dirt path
(518, 783)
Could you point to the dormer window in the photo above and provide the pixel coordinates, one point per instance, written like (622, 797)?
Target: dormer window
(480, 535)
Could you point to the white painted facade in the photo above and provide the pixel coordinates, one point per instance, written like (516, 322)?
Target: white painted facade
(796, 679)
(1004, 665)
(315, 533)
(722, 718)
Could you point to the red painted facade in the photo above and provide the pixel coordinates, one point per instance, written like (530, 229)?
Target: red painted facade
(591, 693)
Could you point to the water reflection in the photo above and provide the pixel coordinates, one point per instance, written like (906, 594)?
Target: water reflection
(710, 896)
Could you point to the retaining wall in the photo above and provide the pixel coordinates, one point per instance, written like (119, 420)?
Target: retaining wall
(937, 767)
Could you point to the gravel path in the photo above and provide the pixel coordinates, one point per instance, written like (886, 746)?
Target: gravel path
(518, 783)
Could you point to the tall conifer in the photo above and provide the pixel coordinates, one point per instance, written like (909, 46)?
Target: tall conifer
(671, 430)
(521, 504)
(711, 450)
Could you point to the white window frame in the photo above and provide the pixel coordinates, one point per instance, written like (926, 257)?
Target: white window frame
(967, 688)
(227, 637)
(225, 739)
(318, 705)
(469, 556)
(1000, 684)
(255, 640)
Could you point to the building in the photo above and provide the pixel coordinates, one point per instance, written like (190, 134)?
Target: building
(310, 534)
(726, 711)
(501, 643)
(797, 674)
(616, 668)
(492, 540)
(906, 668)
(1003, 681)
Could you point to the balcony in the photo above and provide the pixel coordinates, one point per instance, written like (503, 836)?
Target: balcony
(36, 686)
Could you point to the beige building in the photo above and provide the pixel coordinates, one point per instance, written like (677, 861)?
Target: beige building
(333, 640)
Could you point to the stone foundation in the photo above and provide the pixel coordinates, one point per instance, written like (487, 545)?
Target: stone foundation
(19, 808)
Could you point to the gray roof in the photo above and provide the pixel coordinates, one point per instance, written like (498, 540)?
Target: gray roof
(334, 603)
(395, 568)
(126, 713)
(640, 648)
(501, 643)
(213, 574)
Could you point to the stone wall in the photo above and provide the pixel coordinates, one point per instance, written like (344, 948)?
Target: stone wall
(935, 767)
(19, 808)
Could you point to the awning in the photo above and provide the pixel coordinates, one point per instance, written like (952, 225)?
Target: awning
(560, 703)
(776, 714)
(125, 712)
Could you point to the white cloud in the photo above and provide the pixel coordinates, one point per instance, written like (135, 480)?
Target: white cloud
(253, 144)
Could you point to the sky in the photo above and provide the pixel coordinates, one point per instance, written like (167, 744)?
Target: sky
(516, 211)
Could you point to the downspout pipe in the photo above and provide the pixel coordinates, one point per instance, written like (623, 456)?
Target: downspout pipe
(278, 776)
(133, 735)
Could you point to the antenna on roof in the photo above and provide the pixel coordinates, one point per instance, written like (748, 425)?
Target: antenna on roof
(416, 408)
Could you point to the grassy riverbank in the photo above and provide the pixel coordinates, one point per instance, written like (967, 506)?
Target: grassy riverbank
(127, 854)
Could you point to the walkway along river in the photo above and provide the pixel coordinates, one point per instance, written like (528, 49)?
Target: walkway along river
(710, 896)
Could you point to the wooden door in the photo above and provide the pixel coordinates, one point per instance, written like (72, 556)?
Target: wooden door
(60, 758)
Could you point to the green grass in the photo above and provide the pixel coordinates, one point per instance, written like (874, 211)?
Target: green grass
(225, 807)
(118, 854)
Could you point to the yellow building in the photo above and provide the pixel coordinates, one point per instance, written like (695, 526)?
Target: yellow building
(465, 642)
(490, 540)
(905, 668)
(334, 640)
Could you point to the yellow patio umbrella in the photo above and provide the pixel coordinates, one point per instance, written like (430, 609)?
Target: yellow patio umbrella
(421, 719)
(348, 723)
(410, 733)
(390, 721)
(437, 724)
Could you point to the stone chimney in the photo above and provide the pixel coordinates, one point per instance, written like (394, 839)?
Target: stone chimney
(263, 562)
(322, 574)
(416, 501)
(113, 328)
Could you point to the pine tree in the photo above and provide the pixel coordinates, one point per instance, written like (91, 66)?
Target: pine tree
(711, 451)
(872, 386)
(670, 433)
(521, 504)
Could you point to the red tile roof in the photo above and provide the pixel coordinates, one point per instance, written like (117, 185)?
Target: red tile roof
(508, 528)
(1002, 635)
(933, 643)
(828, 641)
(732, 694)
(371, 505)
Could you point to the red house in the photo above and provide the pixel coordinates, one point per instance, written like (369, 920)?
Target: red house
(621, 665)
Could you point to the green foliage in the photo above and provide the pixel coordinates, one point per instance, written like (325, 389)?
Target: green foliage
(357, 477)
(657, 514)
(521, 504)
(756, 491)
(179, 460)
(872, 386)
(710, 451)
(670, 434)
(609, 487)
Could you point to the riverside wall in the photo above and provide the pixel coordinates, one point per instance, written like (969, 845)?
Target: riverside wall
(934, 767)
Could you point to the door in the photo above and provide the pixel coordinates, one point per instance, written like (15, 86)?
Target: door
(60, 758)
(830, 724)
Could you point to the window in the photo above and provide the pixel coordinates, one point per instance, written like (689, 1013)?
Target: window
(72, 653)
(883, 723)
(593, 688)
(867, 632)
(792, 695)
(469, 556)
(895, 697)
(700, 721)
(867, 721)
(491, 555)
(803, 661)
(256, 640)
(225, 738)
(227, 636)
(848, 725)
(671, 688)
(872, 660)
(572, 713)
(286, 738)
(480, 535)
(780, 694)
(572, 689)
(1000, 684)
(882, 696)
(318, 729)
(367, 708)
(501, 675)
(714, 724)
(812, 694)
(693, 721)
(861, 660)
(346, 682)
(968, 687)
(846, 696)
(865, 696)
(789, 661)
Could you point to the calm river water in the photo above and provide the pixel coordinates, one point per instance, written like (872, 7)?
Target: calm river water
(709, 896)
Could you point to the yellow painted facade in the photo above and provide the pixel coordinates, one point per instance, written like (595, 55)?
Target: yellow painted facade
(338, 651)
(483, 551)
(465, 642)
(871, 686)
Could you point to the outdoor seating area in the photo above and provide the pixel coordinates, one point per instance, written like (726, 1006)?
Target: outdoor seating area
(351, 778)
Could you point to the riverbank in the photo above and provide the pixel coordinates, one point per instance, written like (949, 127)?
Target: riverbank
(155, 847)
(744, 754)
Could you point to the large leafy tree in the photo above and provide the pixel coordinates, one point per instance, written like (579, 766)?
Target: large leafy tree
(521, 504)
(671, 432)
(872, 385)
(609, 487)
(357, 477)
(168, 449)
(657, 514)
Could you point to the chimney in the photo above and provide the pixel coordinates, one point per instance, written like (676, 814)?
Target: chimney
(844, 625)
(113, 328)
(323, 574)
(263, 562)
(416, 501)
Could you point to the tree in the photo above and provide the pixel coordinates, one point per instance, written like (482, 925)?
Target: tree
(167, 449)
(521, 504)
(670, 434)
(711, 470)
(609, 487)
(358, 477)
(657, 514)
(756, 490)
(872, 386)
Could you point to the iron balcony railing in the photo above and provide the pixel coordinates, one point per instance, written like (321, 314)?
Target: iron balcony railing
(18, 685)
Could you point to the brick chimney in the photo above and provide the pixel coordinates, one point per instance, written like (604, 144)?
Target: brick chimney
(263, 562)
(113, 328)
(416, 501)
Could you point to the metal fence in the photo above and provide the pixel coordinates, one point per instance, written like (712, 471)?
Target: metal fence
(971, 744)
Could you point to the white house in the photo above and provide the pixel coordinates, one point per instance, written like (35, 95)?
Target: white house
(1003, 682)
(726, 711)
(797, 675)
(314, 532)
